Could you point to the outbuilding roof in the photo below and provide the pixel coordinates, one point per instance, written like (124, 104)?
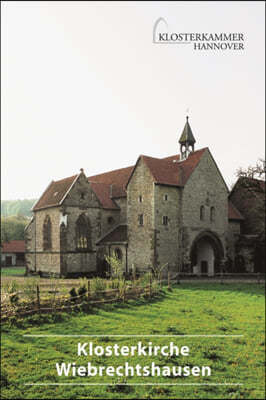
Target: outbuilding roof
(14, 246)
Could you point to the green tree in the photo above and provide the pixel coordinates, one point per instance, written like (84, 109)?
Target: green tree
(17, 207)
(12, 228)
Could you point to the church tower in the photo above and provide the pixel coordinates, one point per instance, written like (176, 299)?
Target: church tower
(186, 141)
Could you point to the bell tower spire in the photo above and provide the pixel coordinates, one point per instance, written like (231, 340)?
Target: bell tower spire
(186, 141)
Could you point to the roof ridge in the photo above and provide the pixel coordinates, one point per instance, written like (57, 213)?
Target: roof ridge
(64, 179)
(113, 170)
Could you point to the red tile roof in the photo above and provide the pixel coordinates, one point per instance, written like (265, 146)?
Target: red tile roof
(14, 246)
(233, 213)
(171, 171)
(55, 192)
(118, 177)
(174, 172)
(112, 184)
(103, 193)
(118, 235)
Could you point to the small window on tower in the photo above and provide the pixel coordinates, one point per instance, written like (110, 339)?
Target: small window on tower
(110, 220)
(82, 195)
(165, 220)
(165, 197)
(202, 213)
(212, 215)
(140, 219)
(140, 199)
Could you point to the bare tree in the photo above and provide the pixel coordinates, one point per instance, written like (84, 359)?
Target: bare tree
(256, 172)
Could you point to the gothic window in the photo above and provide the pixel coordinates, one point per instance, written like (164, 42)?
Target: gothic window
(165, 220)
(212, 215)
(63, 237)
(47, 233)
(118, 254)
(83, 239)
(202, 213)
(140, 219)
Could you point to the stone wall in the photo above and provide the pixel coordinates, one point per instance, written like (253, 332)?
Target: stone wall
(122, 203)
(167, 202)
(80, 200)
(63, 258)
(46, 261)
(75, 261)
(232, 237)
(205, 187)
(109, 219)
(141, 249)
(54, 214)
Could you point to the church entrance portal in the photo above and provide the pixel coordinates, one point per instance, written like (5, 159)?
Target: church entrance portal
(206, 254)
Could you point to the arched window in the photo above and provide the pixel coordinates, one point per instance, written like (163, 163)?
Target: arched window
(83, 237)
(202, 213)
(212, 214)
(63, 237)
(118, 254)
(47, 233)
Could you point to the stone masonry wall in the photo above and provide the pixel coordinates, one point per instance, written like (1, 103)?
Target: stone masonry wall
(167, 203)
(205, 187)
(48, 261)
(109, 220)
(140, 238)
(80, 200)
(232, 237)
(122, 203)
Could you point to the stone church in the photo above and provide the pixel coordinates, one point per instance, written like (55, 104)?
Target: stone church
(171, 210)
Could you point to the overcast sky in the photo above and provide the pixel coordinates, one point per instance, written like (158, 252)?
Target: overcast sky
(83, 85)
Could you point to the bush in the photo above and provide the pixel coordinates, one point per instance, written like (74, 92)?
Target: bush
(73, 295)
(158, 271)
(30, 286)
(116, 266)
(144, 279)
(12, 289)
(82, 291)
(97, 286)
(155, 286)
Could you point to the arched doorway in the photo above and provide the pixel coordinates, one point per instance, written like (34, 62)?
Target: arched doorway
(206, 253)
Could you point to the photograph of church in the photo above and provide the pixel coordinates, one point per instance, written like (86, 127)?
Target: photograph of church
(175, 210)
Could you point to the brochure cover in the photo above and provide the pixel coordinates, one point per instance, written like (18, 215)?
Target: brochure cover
(133, 200)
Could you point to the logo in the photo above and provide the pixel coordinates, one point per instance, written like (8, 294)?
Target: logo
(198, 40)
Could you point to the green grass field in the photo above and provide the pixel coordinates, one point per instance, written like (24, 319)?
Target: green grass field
(12, 271)
(190, 309)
